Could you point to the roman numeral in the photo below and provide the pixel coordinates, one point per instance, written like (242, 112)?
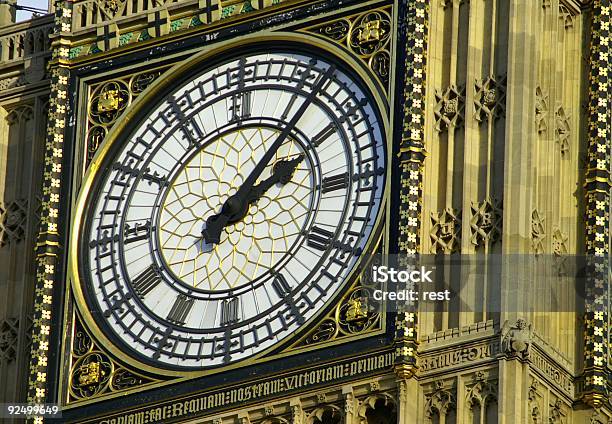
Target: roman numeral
(117, 305)
(104, 241)
(192, 132)
(281, 286)
(324, 134)
(229, 311)
(319, 238)
(126, 170)
(146, 281)
(137, 232)
(337, 182)
(368, 173)
(241, 106)
(180, 309)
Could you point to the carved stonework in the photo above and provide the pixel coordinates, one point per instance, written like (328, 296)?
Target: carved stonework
(486, 222)
(9, 336)
(373, 402)
(490, 98)
(562, 130)
(557, 414)
(598, 417)
(538, 233)
(367, 35)
(445, 231)
(541, 112)
(559, 242)
(481, 393)
(535, 410)
(439, 402)
(93, 372)
(560, 251)
(13, 221)
(566, 16)
(354, 314)
(325, 414)
(449, 109)
(107, 102)
(516, 339)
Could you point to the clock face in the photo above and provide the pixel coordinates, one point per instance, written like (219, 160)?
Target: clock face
(234, 211)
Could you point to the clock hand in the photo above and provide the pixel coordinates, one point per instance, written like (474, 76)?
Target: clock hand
(238, 202)
(281, 173)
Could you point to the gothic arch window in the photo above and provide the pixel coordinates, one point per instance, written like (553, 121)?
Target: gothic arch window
(482, 401)
(328, 414)
(440, 405)
(378, 409)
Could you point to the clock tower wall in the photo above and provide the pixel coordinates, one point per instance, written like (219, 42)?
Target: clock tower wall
(491, 151)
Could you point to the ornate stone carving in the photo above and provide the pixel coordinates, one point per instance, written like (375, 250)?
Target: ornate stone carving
(490, 98)
(355, 314)
(440, 401)
(486, 222)
(481, 393)
(93, 372)
(90, 375)
(108, 101)
(516, 338)
(559, 242)
(598, 417)
(562, 129)
(566, 15)
(9, 336)
(458, 357)
(556, 414)
(13, 221)
(533, 397)
(323, 415)
(368, 35)
(95, 136)
(372, 402)
(538, 233)
(449, 109)
(321, 398)
(541, 111)
(327, 330)
(297, 414)
(445, 231)
(19, 114)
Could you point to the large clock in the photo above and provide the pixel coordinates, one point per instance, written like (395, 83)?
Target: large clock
(233, 209)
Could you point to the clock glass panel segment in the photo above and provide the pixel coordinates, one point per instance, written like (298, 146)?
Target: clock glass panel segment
(234, 210)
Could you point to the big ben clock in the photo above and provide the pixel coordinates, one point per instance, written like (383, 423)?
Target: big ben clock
(233, 209)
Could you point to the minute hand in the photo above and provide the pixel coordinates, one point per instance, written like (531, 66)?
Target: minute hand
(254, 175)
(235, 204)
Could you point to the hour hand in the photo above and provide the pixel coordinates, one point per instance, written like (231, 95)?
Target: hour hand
(282, 172)
(236, 207)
